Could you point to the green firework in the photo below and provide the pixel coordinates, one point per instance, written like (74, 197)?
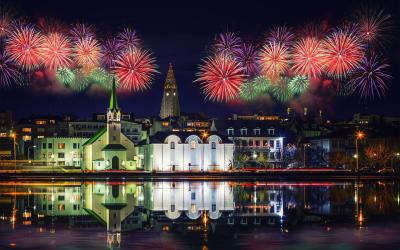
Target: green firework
(280, 90)
(65, 76)
(81, 82)
(101, 77)
(298, 85)
(344, 89)
(262, 84)
(249, 91)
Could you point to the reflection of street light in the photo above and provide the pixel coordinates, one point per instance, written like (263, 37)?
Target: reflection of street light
(359, 136)
(33, 146)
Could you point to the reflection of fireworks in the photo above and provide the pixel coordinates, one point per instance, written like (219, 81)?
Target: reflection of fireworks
(220, 77)
(227, 43)
(87, 53)
(128, 38)
(280, 34)
(65, 76)
(56, 51)
(8, 72)
(247, 56)
(280, 90)
(111, 50)
(374, 25)
(307, 57)
(24, 46)
(135, 69)
(298, 85)
(274, 59)
(370, 77)
(342, 52)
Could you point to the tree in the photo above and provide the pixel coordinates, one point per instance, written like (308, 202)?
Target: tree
(378, 155)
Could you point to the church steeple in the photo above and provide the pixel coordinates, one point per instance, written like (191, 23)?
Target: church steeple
(170, 100)
(113, 98)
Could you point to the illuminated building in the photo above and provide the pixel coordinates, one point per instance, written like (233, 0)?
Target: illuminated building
(170, 99)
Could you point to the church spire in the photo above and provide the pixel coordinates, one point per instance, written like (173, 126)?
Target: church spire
(113, 98)
(170, 100)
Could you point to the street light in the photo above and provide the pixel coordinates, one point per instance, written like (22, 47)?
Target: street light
(359, 136)
(304, 153)
(32, 146)
(14, 136)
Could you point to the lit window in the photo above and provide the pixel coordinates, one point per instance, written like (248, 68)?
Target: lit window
(230, 131)
(271, 131)
(193, 144)
(26, 138)
(61, 145)
(61, 207)
(27, 130)
(193, 208)
(167, 94)
(257, 131)
(243, 131)
(40, 122)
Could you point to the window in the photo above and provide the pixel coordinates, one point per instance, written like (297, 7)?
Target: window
(76, 207)
(251, 143)
(114, 138)
(213, 207)
(50, 145)
(61, 145)
(213, 145)
(172, 208)
(49, 155)
(193, 208)
(26, 138)
(26, 130)
(50, 207)
(257, 143)
(265, 143)
(40, 122)
(61, 198)
(230, 131)
(193, 144)
(40, 130)
(61, 155)
(243, 131)
(272, 143)
(257, 131)
(74, 146)
(278, 144)
(61, 207)
(173, 145)
(193, 196)
(271, 131)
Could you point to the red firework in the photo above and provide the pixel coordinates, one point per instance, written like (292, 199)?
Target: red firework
(375, 26)
(274, 59)
(221, 77)
(342, 52)
(135, 69)
(56, 51)
(307, 57)
(87, 53)
(24, 46)
(4, 25)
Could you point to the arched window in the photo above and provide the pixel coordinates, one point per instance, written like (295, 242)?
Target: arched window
(213, 145)
(193, 144)
(173, 145)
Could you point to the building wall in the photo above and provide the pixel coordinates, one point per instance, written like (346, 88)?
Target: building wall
(66, 155)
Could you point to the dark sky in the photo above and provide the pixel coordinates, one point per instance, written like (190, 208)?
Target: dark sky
(179, 32)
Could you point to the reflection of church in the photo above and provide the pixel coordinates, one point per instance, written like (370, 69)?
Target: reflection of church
(109, 148)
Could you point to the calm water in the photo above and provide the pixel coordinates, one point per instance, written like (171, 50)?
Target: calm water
(200, 215)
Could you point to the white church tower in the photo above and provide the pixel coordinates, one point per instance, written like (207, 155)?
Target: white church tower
(113, 119)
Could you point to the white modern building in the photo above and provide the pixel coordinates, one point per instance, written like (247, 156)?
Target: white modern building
(184, 151)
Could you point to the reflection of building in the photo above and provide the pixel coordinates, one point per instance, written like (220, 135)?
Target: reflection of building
(63, 151)
(182, 151)
(189, 200)
(170, 99)
(109, 148)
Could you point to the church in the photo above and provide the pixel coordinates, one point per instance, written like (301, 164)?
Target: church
(109, 148)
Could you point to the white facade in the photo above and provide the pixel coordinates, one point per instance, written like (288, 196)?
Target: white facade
(192, 154)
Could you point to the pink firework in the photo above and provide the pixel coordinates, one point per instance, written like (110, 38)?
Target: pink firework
(375, 25)
(87, 53)
(274, 60)
(135, 69)
(8, 72)
(56, 51)
(5, 23)
(342, 52)
(111, 49)
(128, 39)
(24, 46)
(81, 31)
(221, 77)
(307, 57)
(280, 34)
(227, 43)
(247, 56)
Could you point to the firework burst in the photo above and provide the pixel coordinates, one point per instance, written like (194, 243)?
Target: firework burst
(81, 31)
(102, 78)
(135, 69)
(298, 85)
(263, 84)
(227, 43)
(87, 53)
(128, 38)
(307, 57)
(280, 34)
(24, 46)
(249, 91)
(56, 51)
(221, 77)
(280, 90)
(342, 52)
(111, 49)
(370, 77)
(247, 56)
(80, 82)
(8, 72)
(65, 76)
(274, 59)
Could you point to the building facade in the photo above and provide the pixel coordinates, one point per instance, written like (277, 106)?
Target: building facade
(183, 151)
(170, 99)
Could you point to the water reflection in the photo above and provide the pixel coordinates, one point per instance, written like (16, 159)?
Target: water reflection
(123, 214)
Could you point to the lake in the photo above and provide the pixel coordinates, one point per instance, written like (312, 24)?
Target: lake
(121, 214)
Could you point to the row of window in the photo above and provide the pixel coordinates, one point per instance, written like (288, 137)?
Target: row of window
(193, 145)
(61, 207)
(259, 143)
(60, 145)
(61, 155)
(256, 131)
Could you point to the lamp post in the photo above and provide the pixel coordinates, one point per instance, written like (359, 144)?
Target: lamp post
(359, 136)
(304, 154)
(13, 135)
(204, 136)
(32, 146)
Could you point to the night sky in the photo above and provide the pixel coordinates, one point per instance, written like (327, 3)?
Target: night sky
(180, 33)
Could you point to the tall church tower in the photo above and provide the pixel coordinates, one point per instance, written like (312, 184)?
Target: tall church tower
(113, 119)
(170, 100)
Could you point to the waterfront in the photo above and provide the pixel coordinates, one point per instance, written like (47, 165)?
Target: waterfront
(200, 214)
